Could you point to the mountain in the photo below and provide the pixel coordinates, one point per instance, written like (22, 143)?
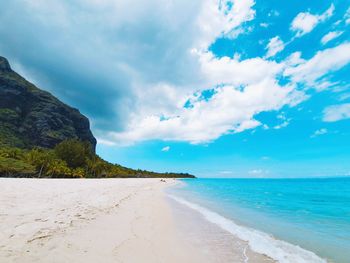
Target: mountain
(40, 136)
(32, 117)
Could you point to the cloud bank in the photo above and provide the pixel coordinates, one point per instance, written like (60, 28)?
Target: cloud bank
(144, 70)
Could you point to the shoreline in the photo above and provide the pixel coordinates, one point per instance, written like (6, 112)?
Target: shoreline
(204, 201)
(217, 244)
(249, 244)
(113, 220)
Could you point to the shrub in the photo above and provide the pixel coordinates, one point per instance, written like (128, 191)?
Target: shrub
(78, 173)
(17, 168)
(74, 152)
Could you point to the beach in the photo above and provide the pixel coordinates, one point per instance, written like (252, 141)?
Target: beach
(107, 220)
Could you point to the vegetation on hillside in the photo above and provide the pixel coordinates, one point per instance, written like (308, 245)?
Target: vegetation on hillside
(32, 117)
(68, 159)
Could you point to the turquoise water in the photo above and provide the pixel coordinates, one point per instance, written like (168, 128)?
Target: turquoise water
(313, 214)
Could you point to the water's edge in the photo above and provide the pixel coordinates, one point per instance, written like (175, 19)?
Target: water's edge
(258, 241)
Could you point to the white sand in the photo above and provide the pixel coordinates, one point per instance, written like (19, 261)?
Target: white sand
(112, 220)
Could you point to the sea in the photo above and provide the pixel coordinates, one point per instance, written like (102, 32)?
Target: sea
(289, 220)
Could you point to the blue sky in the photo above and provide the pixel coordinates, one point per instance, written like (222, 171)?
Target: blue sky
(216, 88)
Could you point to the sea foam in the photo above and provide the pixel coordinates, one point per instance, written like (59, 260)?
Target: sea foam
(258, 241)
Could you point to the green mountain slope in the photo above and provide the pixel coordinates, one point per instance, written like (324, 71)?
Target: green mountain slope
(33, 117)
(41, 136)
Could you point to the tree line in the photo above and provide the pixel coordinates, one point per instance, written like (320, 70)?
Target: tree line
(69, 159)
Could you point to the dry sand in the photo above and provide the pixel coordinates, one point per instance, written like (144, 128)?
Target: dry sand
(112, 220)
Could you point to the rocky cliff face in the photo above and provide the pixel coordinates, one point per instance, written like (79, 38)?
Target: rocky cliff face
(33, 117)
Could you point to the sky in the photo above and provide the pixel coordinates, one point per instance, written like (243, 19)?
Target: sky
(216, 88)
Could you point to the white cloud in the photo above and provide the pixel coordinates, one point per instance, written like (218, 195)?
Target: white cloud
(294, 59)
(105, 142)
(304, 23)
(231, 109)
(319, 132)
(223, 18)
(166, 149)
(336, 112)
(258, 172)
(312, 71)
(330, 36)
(274, 46)
(347, 16)
(264, 25)
(236, 72)
(282, 125)
(285, 121)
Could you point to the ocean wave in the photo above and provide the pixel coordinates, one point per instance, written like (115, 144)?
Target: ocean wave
(258, 241)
